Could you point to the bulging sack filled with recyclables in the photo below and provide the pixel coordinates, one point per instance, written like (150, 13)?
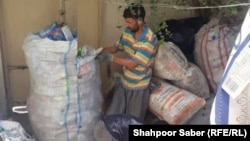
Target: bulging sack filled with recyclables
(65, 98)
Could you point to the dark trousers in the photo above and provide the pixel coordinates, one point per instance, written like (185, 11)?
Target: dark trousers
(132, 102)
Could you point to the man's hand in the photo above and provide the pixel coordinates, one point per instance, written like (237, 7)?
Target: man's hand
(105, 57)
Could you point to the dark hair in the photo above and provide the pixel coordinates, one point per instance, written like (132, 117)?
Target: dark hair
(136, 11)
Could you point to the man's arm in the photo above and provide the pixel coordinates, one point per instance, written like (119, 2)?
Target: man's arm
(111, 49)
(124, 62)
(119, 60)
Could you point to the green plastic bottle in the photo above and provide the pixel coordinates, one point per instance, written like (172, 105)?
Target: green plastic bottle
(80, 52)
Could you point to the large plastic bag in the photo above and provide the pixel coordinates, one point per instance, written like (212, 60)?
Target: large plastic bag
(174, 105)
(213, 43)
(181, 32)
(194, 82)
(170, 62)
(65, 97)
(13, 131)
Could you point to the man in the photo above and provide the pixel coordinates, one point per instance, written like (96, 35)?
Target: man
(115, 127)
(138, 43)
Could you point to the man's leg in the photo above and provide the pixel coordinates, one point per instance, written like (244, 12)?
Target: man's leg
(137, 103)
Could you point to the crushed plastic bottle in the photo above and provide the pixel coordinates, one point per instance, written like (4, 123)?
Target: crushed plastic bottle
(46, 31)
(56, 32)
(67, 33)
(80, 52)
(57, 35)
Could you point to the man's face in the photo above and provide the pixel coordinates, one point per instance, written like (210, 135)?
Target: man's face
(132, 24)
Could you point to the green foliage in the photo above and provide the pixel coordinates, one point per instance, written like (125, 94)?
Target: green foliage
(204, 12)
(194, 3)
(210, 8)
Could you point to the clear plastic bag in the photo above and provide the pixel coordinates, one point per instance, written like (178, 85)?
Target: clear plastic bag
(13, 131)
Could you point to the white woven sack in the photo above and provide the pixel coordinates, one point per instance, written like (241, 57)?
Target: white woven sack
(174, 105)
(65, 97)
(170, 62)
(194, 82)
(213, 44)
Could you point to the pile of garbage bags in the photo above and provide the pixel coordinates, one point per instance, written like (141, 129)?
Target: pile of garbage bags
(191, 62)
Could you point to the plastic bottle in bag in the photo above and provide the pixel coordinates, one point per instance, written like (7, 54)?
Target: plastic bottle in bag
(46, 31)
(57, 35)
(67, 33)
